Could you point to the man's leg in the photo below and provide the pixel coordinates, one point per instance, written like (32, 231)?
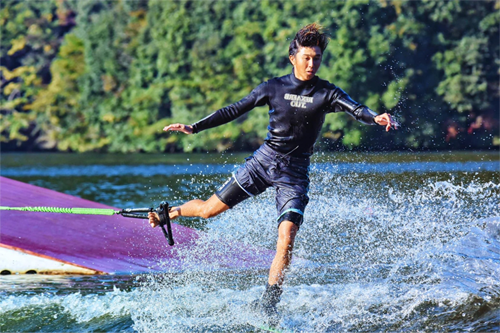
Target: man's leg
(194, 208)
(267, 304)
(287, 231)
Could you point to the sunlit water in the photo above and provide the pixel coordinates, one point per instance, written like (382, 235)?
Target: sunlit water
(392, 243)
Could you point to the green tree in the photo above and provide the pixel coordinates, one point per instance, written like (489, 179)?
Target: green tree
(128, 68)
(31, 34)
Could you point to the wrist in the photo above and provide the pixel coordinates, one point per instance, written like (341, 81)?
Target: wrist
(194, 128)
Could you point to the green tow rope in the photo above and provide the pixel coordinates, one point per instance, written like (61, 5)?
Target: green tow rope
(84, 211)
(140, 213)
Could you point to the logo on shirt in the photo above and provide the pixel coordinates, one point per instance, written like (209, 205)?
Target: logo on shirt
(298, 101)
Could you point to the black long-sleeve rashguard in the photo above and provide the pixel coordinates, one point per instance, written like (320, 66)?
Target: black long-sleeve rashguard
(297, 112)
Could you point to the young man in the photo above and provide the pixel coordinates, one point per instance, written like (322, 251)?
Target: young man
(298, 103)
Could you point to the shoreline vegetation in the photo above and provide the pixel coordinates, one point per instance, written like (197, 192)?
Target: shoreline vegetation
(107, 76)
(19, 159)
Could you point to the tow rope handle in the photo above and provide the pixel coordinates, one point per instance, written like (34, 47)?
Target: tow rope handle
(162, 212)
(139, 213)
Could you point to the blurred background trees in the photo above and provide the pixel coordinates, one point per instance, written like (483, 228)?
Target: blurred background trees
(109, 75)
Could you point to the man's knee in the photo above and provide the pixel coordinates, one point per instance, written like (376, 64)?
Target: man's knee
(212, 207)
(287, 232)
(208, 212)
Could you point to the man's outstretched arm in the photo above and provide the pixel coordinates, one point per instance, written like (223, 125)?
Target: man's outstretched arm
(363, 113)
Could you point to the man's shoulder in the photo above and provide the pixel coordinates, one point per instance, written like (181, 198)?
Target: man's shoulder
(325, 84)
(333, 91)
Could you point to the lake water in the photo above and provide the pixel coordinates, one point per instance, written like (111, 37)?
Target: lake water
(393, 242)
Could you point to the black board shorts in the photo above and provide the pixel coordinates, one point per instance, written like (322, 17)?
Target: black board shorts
(266, 168)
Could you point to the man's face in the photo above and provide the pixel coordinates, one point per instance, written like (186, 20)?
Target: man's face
(306, 62)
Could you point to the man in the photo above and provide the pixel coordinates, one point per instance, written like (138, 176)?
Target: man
(298, 103)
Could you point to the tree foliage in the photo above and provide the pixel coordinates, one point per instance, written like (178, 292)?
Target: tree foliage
(109, 75)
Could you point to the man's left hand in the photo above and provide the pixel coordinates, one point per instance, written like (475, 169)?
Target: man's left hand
(386, 120)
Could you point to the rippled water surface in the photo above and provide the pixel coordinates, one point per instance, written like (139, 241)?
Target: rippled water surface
(392, 242)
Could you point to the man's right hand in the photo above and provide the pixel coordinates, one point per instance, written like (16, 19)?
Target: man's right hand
(188, 129)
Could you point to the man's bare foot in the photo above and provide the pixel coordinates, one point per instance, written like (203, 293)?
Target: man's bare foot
(154, 219)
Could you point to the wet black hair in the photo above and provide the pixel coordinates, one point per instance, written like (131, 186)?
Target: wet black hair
(309, 36)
